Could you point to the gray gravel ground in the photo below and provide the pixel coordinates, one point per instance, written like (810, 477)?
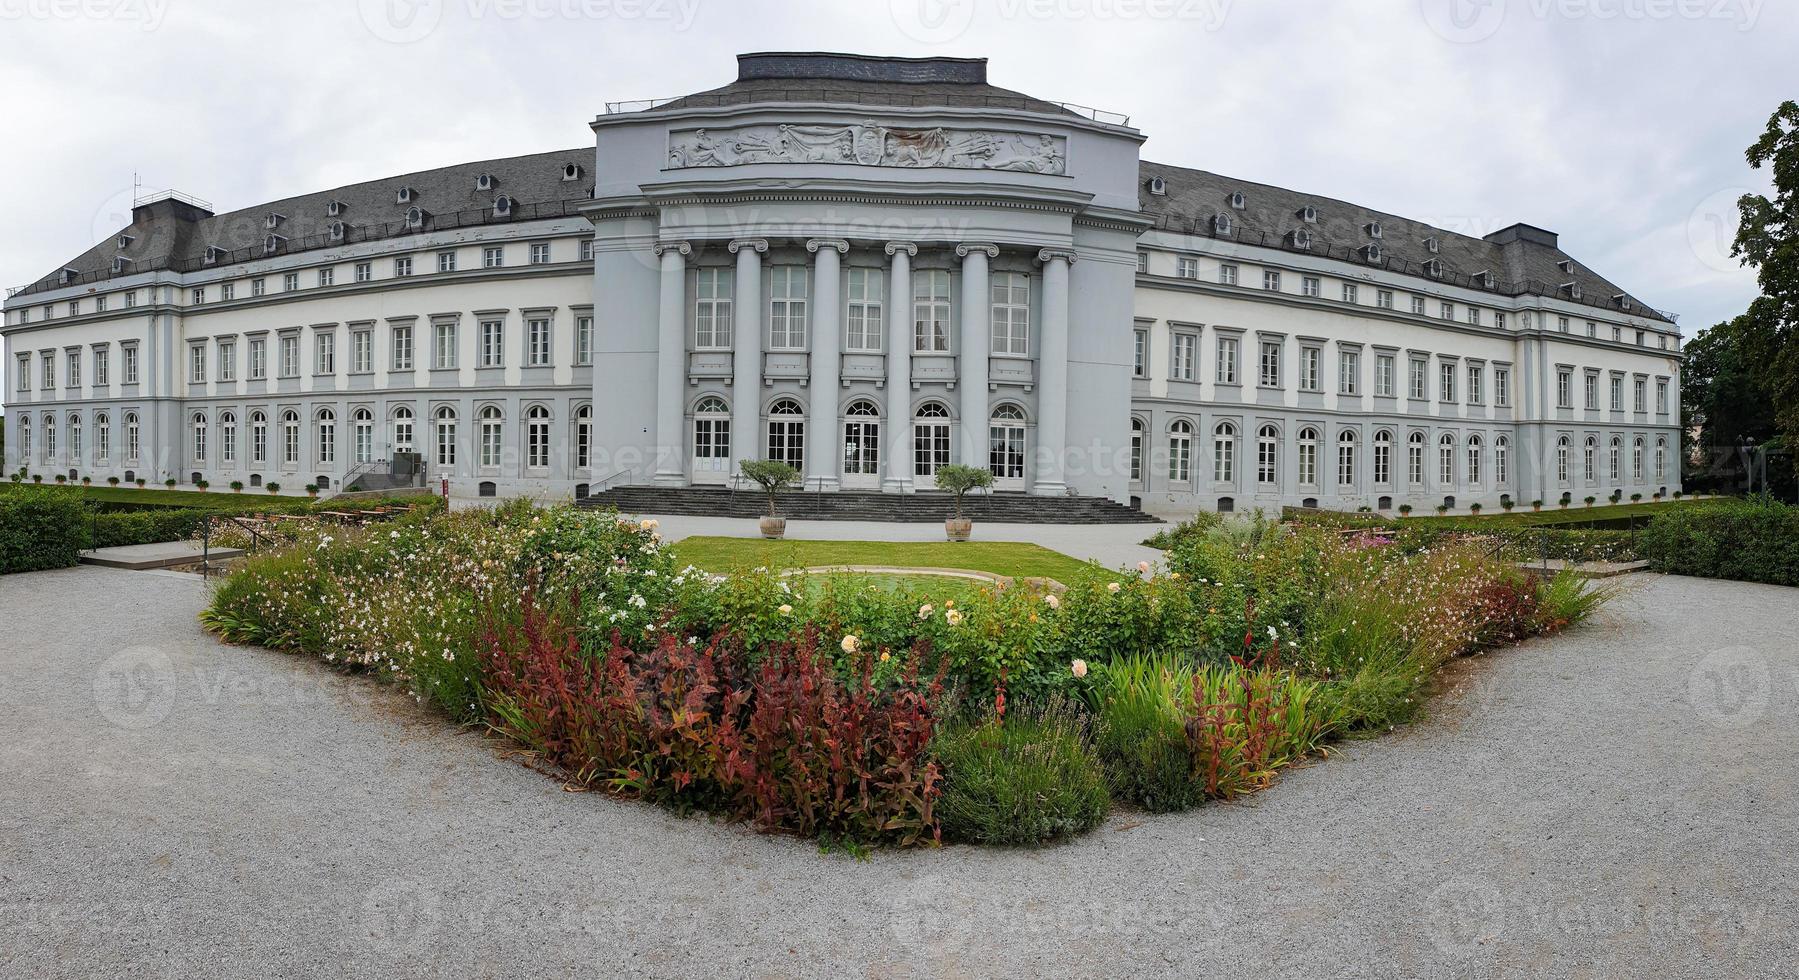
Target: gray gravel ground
(1619, 801)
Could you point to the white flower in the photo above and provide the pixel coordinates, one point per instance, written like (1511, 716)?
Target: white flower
(1052, 601)
(637, 600)
(1079, 668)
(1113, 587)
(647, 525)
(786, 610)
(924, 611)
(953, 617)
(1143, 566)
(850, 643)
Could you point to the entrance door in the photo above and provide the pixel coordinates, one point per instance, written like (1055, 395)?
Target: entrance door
(862, 447)
(1005, 447)
(711, 441)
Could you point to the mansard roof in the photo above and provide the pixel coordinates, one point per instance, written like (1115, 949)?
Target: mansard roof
(1519, 259)
(862, 80)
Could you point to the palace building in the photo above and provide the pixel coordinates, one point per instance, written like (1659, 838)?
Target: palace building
(869, 268)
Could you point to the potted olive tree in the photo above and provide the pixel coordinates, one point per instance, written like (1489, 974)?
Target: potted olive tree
(772, 476)
(958, 480)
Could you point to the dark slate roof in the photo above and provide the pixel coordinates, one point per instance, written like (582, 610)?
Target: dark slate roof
(1520, 259)
(849, 79)
(173, 234)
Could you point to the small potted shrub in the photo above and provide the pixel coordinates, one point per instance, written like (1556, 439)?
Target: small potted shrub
(170, 483)
(87, 481)
(113, 480)
(1507, 503)
(1405, 510)
(1591, 500)
(274, 488)
(1679, 494)
(18, 477)
(312, 490)
(1474, 508)
(1536, 505)
(237, 486)
(202, 485)
(772, 476)
(1442, 509)
(1617, 495)
(1657, 496)
(1636, 498)
(60, 479)
(141, 483)
(1567, 498)
(958, 480)
(37, 477)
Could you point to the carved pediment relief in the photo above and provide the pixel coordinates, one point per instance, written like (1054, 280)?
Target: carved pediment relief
(869, 144)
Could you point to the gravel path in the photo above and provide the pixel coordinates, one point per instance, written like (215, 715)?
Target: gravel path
(1618, 801)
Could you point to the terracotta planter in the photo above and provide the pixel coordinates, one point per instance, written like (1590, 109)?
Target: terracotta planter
(958, 529)
(774, 527)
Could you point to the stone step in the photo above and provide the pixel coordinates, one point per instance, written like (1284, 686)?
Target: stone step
(853, 505)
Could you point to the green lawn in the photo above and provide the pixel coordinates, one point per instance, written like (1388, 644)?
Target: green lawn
(1010, 558)
(935, 587)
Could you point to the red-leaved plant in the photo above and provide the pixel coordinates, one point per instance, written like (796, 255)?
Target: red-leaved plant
(1234, 739)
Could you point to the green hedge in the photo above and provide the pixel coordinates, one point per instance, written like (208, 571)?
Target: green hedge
(116, 528)
(1520, 542)
(1748, 540)
(41, 527)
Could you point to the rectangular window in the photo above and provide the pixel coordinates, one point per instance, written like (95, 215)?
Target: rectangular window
(1418, 382)
(862, 330)
(493, 257)
(712, 310)
(259, 359)
(443, 345)
(1140, 353)
(1011, 323)
(1349, 372)
(1617, 393)
(130, 365)
(1561, 324)
(74, 359)
(1311, 369)
(1186, 267)
(1592, 401)
(362, 351)
(324, 353)
(102, 373)
(1309, 286)
(1271, 364)
(1227, 274)
(227, 292)
(1183, 355)
(446, 261)
(493, 344)
(1383, 298)
(930, 311)
(540, 253)
(196, 364)
(403, 266)
(100, 301)
(290, 357)
(787, 307)
(130, 298)
(1446, 311)
(1227, 361)
(583, 341)
(258, 287)
(1418, 306)
(198, 297)
(1661, 384)
(1271, 280)
(1142, 263)
(290, 282)
(402, 346)
(1350, 292)
(1499, 321)
(24, 377)
(328, 277)
(1502, 387)
(1476, 375)
(227, 360)
(537, 342)
(1448, 381)
(1474, 315)
(1384, 375)
(586, 255)
(365, 271)
(1640, 395)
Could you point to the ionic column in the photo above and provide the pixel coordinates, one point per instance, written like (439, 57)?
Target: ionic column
(899, 368)
(827, 338)
(746, 356)
(975, 347)
(1052, 375)
(671, 356)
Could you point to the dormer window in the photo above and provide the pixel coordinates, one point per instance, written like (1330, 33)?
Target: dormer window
(415, 217)
(1432, 246)
(337, 231)
(1484, 279)
(404, 196)
(1221, 223)
(502, 206)
(1237, 200)
(214, 254)
(1572, 289)
(1308, 214)
(272, 220)
(272, 244)
(484, 182)
(1622, 300)
(1434, 268)
(1302, 238)
(1158, 186)
(334, 209)
(67, 276)
(1566, 265)
(125, 241)
(1373, 251)
(119, 264)
(571, 171)
(1374, 229)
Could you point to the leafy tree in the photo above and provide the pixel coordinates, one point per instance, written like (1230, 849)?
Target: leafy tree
(959, 479)
(771, 475)
(1768, 239)
(1723, 402)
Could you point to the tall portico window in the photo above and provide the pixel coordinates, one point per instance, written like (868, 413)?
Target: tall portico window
(259, 437)
(1346, 456)
(290, 438)
(862, 330)
(1446, 460)
(364, 422)
(862, 439)
(1474, 459)
(227, 437)
(712, 309)
(1005, 443)
(1308, 457)
(1383, 457)
(1136, 449)
(199, 454)
(1011, 292)
(583, 437)
(930, 311)
(1414, 459)
(402, 430)
(537, 437)
(493, 426)
(1224, 453)
(133, 437)
(1268, 455)
(446, 436)
(327, 423)
(787, 433)
(1180, 451)
(930, 439)
(787, 307)
(712, 431)
(1501, 450)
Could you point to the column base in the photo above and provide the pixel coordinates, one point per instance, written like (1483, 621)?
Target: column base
(896, 485)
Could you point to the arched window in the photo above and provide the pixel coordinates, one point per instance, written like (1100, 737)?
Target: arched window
(75, 438)
(583, 437)
(1346, 454)
(49, 438)
(132, 441)
(1561, 460)
(1268, 454)
(537, 437)
(1414, 459)
(493, 425)
(1661, 458)
(1136, 450)
(25, 438)
(1636, 459)
(228, 438)
(1474, 457)
(1005, 443)
(712, 432)
(1617, 458)
(930, 439)
(259, 438)
(290, 438)
(363, 437)
(1308, 457)
(446, 436)
(1590, 461)
(327, 423)
(103, 438)
(1501, 453)
(787, 433)
(1224, 453)
(402, 429)
(862, 439)
(1446, 460)
(199, 432)
(1180, 451)
(1383, 457)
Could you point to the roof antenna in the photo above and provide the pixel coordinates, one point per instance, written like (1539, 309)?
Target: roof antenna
(137, 185)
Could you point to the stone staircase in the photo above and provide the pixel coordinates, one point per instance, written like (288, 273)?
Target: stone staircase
(867, 505)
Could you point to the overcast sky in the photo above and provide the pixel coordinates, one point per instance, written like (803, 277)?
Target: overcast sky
(1620, 124)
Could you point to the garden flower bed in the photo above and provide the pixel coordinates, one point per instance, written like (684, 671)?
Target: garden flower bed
(891, 712)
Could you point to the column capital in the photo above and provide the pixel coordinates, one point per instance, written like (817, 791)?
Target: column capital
(759, 244)
(991, 249)
(1051, 254)
(814, 244)
(906, 247)
(684, 248)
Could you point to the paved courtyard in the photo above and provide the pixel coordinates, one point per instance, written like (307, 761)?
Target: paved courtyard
(1619, 801)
